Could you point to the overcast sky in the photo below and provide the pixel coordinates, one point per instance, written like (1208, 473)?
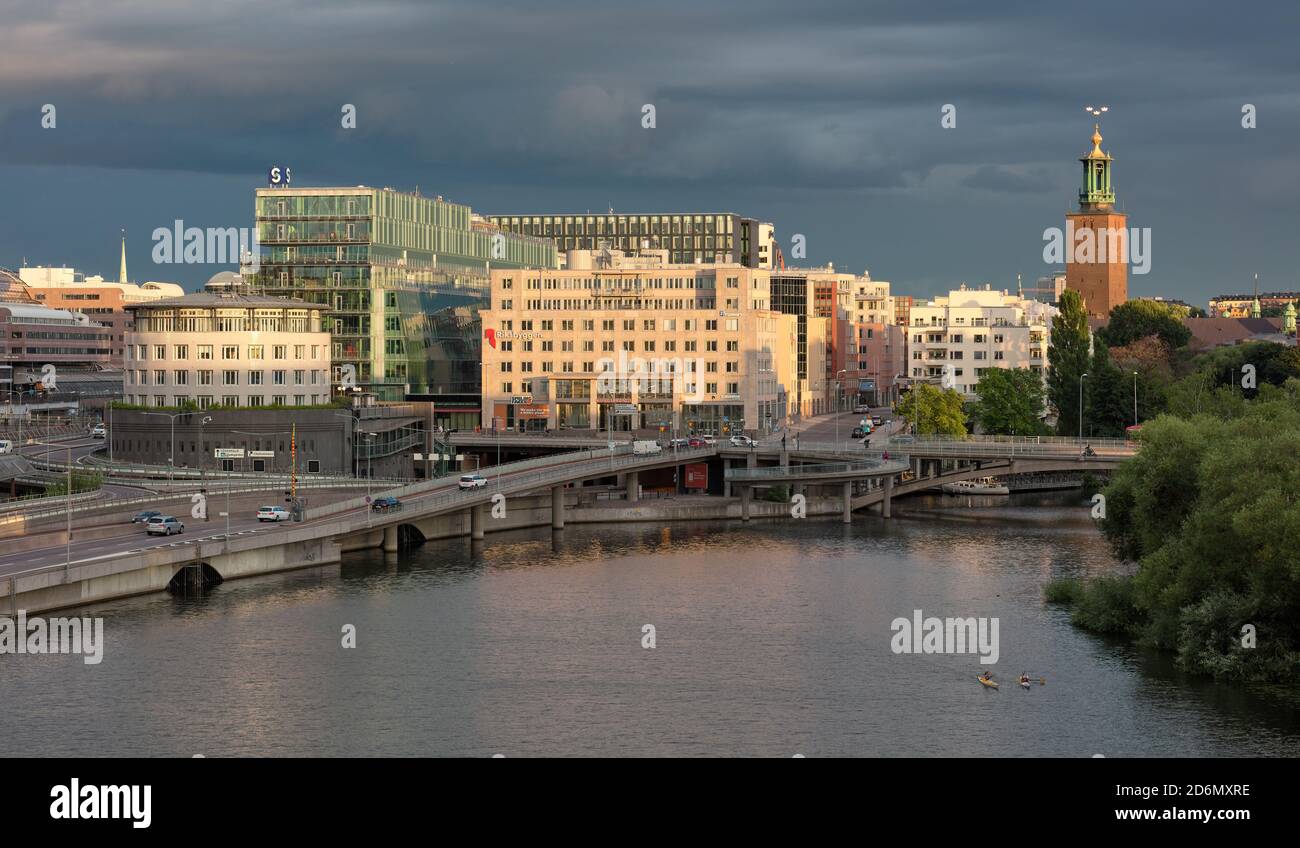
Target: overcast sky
(823, 117)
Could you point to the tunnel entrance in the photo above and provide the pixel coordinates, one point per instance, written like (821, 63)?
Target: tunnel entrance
(409, 536)
(194, 578)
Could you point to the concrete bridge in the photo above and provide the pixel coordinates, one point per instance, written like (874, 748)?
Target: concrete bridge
(49, 580)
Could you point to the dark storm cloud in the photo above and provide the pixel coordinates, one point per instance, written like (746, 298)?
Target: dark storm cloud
(802, 113)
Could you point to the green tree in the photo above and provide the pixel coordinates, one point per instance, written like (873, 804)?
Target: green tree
(1137, 319)
(1108, 396)
(933, 411)
(1010, 401)
(1067, 360)
(1208, 510)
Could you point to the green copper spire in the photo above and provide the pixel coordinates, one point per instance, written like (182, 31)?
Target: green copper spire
(1097, 192)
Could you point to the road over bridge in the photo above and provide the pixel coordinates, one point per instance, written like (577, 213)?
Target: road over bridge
(50, 578)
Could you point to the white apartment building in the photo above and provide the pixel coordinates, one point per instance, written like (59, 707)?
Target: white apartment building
(953, 340)
(617, 341)
(872, 301)
(227, 349)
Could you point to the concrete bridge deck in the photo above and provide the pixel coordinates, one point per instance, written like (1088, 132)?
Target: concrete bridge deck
(49, 580)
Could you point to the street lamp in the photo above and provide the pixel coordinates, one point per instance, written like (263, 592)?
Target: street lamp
(1081, 379)
(67, 567)
(838, 405)
(171, 456)
(1135, 398)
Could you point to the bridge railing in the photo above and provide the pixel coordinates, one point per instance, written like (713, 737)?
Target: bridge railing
(55, 505)
(570, 471)
(868, 467)
(490, 472)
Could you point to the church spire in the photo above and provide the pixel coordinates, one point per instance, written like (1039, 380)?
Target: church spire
(121, 272)
(1097, 192)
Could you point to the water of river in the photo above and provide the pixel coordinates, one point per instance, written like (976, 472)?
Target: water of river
(771, 639)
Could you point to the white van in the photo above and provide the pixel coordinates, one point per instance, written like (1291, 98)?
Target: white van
(646, 447)
(6, 446)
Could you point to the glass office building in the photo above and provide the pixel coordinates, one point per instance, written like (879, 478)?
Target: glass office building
(402, 278)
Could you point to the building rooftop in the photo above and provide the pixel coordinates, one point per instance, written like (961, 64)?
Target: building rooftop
(1214, 332)
(201, 299)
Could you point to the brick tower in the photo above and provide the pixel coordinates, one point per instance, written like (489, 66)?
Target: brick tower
(1096, 237)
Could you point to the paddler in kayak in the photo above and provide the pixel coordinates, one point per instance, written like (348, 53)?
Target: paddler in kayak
(1024, 679)
(987, 676)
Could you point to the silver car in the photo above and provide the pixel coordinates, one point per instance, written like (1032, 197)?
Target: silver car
(164, 525)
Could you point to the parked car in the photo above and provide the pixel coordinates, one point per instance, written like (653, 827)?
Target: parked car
(742, 442)
(861, 409)
(99, 431)
(273, 513)
(645, 446)
(163, 525)
(709, 439)
(472, 481)
(696, 442)
(143, 517)
(679, 443)
(384, 503)
(6, 446)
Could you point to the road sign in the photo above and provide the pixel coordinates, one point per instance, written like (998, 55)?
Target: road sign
(261, 454)
(229, 453)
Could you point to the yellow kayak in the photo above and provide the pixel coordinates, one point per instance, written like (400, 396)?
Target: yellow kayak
(992, 684)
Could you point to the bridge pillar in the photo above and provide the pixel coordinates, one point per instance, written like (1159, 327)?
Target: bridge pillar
(848, 501)
(751, 460)
(785, 458)
(390, 539)
(746, 495)
(476, 522)
(557, 507)
(633, 487)
(889, 494)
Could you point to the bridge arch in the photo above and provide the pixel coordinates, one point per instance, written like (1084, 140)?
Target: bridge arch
(194, 578)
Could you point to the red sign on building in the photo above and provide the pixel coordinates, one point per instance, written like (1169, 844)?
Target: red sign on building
(697, 475)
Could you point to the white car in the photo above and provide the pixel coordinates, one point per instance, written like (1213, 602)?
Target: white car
(709, 440)
(273, 513)
(99, 431)
(742, 442)
(472, 481)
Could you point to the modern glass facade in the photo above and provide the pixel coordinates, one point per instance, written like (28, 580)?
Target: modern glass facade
(688, 237)
(402, 278)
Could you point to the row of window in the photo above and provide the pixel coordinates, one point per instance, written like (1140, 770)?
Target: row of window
(629, 345)
(209, 401)
(731, 366)
(687, 388)
(141, 352)
(229, 377)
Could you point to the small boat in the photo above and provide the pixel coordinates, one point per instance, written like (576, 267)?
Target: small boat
(1024, 683)
(992, 684)
(982, 486)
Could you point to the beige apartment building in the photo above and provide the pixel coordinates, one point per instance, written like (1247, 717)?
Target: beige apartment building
(955, 339)
(227, 349)
(623, 342)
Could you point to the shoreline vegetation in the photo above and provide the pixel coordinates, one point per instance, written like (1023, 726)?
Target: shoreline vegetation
(1209, 509)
